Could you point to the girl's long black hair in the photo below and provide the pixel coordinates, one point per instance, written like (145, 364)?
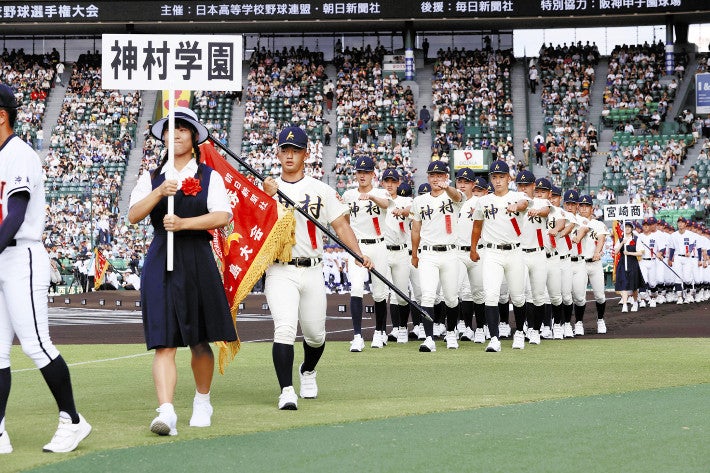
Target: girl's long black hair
(180, 123)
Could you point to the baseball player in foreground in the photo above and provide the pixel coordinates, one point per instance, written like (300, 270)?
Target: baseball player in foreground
(434, 217)
(497, 221)
(24, 281)
(294, 289)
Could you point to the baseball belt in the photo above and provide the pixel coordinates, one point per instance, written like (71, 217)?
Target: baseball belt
(438, 247)
(301, 262)
(371, 241)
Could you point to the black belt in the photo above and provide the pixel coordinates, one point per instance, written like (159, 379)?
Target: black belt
(576, 258)
(438, 247)
(465, 248)
(532, 250)
(13, 242)
(371, 241)
(554, 253)
(507, 246)
(648, 259)
(410, 252)
(301, 262)
(589, 261)
(396, 247)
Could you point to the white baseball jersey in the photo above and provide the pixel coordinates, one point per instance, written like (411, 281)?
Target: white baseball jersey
(565, 245)
(398, 230)
(500, 227)
(553, 218)
(684, 244)
(439, 216)
(534, 230)
(465, 222)
(367, 219)
(21, 171)
(647, 244)
(597, 230)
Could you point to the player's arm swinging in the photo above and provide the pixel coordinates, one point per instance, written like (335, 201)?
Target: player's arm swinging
(416, 239)
(475, 236)
(342, 228)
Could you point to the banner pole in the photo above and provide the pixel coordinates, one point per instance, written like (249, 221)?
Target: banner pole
(171, 173)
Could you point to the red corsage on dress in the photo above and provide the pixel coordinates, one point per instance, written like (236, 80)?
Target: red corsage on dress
(191, 186)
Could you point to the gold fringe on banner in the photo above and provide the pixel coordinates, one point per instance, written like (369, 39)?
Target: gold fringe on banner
(277, 246)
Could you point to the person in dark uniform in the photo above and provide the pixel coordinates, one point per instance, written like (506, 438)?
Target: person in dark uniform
(628, 271)
(186, 306)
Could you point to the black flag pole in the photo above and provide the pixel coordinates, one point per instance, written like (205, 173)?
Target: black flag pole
(324, 229)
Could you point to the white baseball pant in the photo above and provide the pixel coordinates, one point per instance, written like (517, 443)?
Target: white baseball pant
(470, 279)
(648, 271)
(399, 264)
(359, 274)
(579, 282)
(439, 268)
(595, 274)
(503, 265)
(554, 280)
(536, 272)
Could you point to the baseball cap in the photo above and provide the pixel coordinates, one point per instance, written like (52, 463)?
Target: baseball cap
(571, 196)
(424, 188)
(525, 177)
(364, 163)
(498, 167)
(481, 183)
(586, 200)
(7, 97)
(185, 114)
(390, 173)
(466, 173)
(437, 167)
(556, 190)
(293, 136)
(543, 183)
(404, 190)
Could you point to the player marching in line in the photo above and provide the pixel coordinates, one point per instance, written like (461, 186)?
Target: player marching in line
(434, 216)
(569, 259)
(368, 208)
(534, 231)
(471, 274)
(418, 329)
(699, 273)
(650, 245)
(592, 236)
(683, 244)
(497, 221)
(559, 227)
(397, 238)
(294, 289)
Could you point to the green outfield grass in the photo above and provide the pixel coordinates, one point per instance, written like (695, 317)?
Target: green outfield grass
(114, 391)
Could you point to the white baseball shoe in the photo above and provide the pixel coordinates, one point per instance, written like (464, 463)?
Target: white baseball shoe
(377, 340)
(504, 330)
(558, 332)
(479, 336)
(166, 422)
(624, 308)
(534, 336)
(660, 299)
(642, 303)
(288, 401)
(518, 340)
(393, 335)
(634, 307)
(468, 334)
(546, 332)
(428, 345)
(402, 335)
(68, 435)
(201, 413)
(422, 332)
(601, 326)
(493, 345)
(689, 299)
(357, 344)
(578, 329)
(461, 326)
(451, 341)
(5, 445)
(652, 303)
(567, 330)
(309, 387)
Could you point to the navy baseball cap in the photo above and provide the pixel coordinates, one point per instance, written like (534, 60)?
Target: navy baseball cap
(293, 136)
(7, 97)
(543, 183)
(571, 196)
(466, 173)
(481, 183)
(556, 190)
(498, 167)
(404, 190)
(682, 219)
(364, 163)
(437, 167)
(490, 189)
(525, 177)
(424, 188)
(586, 200)
(390, 173)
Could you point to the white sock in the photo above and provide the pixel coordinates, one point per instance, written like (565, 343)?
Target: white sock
(202, 397)
(64, 415)
(167, 407)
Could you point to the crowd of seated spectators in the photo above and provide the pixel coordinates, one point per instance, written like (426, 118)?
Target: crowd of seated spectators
(214, 109)
(284, 88)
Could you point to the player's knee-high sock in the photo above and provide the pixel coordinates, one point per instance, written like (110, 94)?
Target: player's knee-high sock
(480, 311)
(394, 314)
(439, 313)
(466, 308)
(282, 355)
(529, 314)
(428, 325)
(381, 315)
(557, 316)
(416, 317)
(567, 309)
(5, 381)
(403, 314)
(492, 319)
(519, 313)
(547, 320)
(601, 308)
(452, 317)
(311, 355)
(579, 312)
(503, 313)
(356, 314)
(539, 316)
(56, 375)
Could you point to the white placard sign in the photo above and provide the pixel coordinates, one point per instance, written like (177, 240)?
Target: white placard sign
(623, 212)
(179, 62)
(466, 158)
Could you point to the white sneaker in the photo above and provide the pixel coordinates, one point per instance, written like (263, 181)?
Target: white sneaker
(5, 445)
(383, 337)
(624, 308)
(642, 304)
(166, 422)
(534, 336)
(578, 329)
(422, 332)
(428, 345)
(309, 387)
(660, 300)
(393, 335)
(558, 332)
(402, 335)
(415, 331)
(468, 334)
(504, 330)
(68, 435)
(201, 413)
(567, 330)
(357, 344)
(493, 345)
(439, 330)
(288, 401)
(461, 326)
(601, 326)
(376, 340)
(634, 307)
(479, 336)
(652, 303)
(451, 341)
(689, 299)
(546, 332)
(518, 340)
